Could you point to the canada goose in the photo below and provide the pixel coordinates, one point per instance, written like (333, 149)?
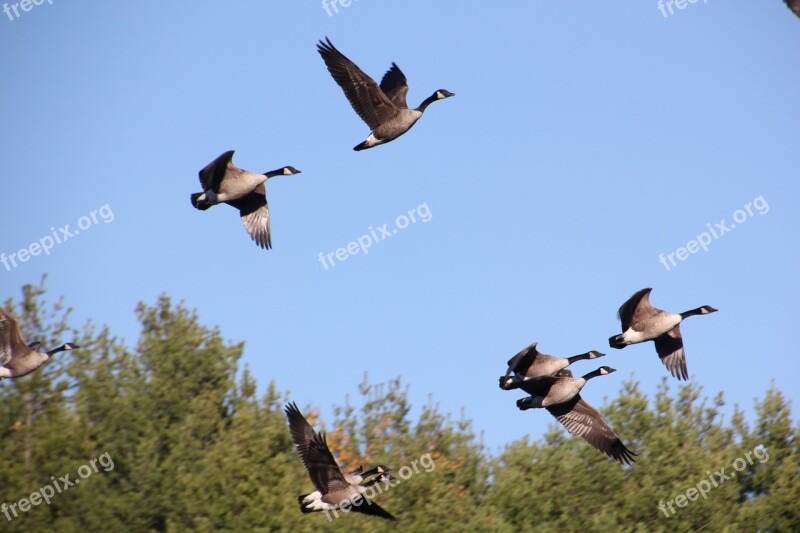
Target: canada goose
(383, 108)
(334, 489)
(530, 362)
(303, 433)
(18, 359)
(223, 181)
(642, 322)
(560, 395)
(794, 5)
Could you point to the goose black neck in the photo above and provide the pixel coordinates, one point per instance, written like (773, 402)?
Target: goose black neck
(579, 357)
(428, 101)
(273, 173)
(372, 481)
(592, 374)
(54, 351)
(369, 473)
(693, 312)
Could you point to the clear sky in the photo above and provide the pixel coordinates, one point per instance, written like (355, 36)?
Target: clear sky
(584, 140)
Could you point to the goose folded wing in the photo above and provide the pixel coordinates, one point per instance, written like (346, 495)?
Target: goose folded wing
(254, 211)
(10, 337)
(636, 309)
(211, 175)
(583, 420)
(670, 349)
(364, 95)
(540, 385)
(5, 337)
(395, 86)
(322, 468)
(519, 363)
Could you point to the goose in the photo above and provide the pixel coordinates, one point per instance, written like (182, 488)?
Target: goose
(222, 181)
(334, 489)
(303, 433)
(794, 5)
(560, 395)
(18, 359)
(530, 362)
(383, 107)
(642, 322)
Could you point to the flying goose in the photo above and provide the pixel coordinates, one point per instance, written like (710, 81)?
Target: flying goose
(383, 108)
(560, 395)
(794, 5)
(223, 181)
(303, 433)
(18, 359)
(334, 489)
(642, 322)
(530, 362)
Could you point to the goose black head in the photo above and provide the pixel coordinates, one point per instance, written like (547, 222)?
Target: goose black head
(707, 310)
(290, 171)
(380, 469)
(509, 382)
(441, 94)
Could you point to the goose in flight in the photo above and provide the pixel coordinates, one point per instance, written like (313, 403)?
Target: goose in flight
(560, 395)
(641, 322)
(18, 359)
(222, 181)
(383, 107)
(334, 489)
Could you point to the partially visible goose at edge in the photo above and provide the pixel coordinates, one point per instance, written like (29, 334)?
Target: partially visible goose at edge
(383, 108)
(334, 489)
(794, 5)
(18, 359)
(642, 322)
(530, 362)
(224, 182)
(560, 395)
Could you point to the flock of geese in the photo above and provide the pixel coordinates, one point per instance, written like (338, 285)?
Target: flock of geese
(545, 378)
(551, 385)
(383, 107)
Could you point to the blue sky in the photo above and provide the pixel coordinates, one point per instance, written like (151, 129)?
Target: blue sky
(584, 141)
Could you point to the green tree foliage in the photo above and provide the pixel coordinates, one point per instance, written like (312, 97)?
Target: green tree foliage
(195, 449)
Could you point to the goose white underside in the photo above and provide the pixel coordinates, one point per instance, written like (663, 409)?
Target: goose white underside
(634, 337)
(652, 329)
(212, 198)
(371, 141)
(313, 502)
